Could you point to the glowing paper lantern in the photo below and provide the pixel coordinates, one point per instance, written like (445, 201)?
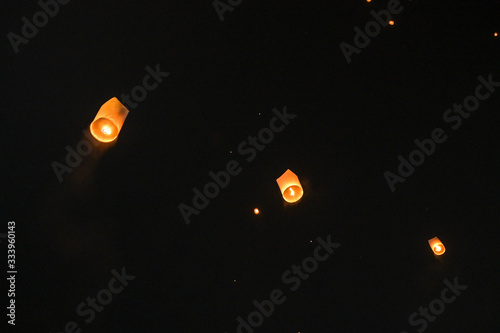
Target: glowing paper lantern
(436, 246)
(109, 120)
(290, 187)
(495, 34)
(391, 22)
(256, 211)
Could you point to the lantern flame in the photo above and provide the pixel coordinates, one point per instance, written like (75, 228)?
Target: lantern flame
(106, 130)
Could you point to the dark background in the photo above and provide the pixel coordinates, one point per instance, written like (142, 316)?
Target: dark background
(120, 207)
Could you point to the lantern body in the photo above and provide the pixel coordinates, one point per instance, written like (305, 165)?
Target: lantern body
(290, 187)
(436, 246)
(109, 120)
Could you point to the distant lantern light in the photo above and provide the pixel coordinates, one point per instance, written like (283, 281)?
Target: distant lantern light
(256, 211)
(436, 246)
(495, 34)
(368, 0)
(290, 187)
(391, 22)
(109, 120)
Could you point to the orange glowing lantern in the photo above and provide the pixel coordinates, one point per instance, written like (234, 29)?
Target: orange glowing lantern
(391, 22)
(495, 34)
(109, 120)
(290, 187)
(256, 211)
(436, 246)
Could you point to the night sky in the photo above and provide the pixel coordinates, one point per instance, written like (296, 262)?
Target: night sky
(391, 129)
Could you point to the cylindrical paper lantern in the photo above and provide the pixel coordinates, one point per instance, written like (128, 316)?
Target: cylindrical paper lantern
(109, 120)
(436, 246)
(290, 187)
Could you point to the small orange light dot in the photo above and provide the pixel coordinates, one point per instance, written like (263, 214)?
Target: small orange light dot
(256, 211)
(495, 34)
(368, 0)
(391, 22)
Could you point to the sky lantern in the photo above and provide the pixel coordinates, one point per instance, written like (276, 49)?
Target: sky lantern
(109, 120)
(290, 187)
(391, 22)
(256, 211)
(436, 246)
(495, 34)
